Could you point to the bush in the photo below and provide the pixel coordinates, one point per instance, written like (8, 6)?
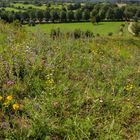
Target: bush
(97, 34)
(110, 34)
(136, 28)
(55, 33)
(77, 33)
(17, 23)
(123, 25)
(88, 34)
(121, 29)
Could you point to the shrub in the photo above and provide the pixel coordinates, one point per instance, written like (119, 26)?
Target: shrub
(77, 33)
(110, 34)
(55, 33)
(123, 25)
(97, 34)
(88, 34)
(136, 28)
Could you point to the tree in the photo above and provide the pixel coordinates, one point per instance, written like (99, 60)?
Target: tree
(63, 16)
(47, 15)
(48, 5)
(129, 13)
(32, 14)
(11, 17)
(78, 15)
(88, 6)
(118, 13)
(97, 7)
(77, 6)
(98, 19)
(64, 9)
(86, 15)
(18, 16)
(25, 16)
(40, 15)
(4, 16)
(54, 15)
(70, 15)
(93, 13)
(136, 28)
(102, 11)
(93, 20)
(70, 7)
(110, 14)
(137, 15)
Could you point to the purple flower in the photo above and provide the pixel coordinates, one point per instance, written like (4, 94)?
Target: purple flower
(10, 83)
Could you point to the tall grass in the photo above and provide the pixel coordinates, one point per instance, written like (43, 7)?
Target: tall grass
(68, 89)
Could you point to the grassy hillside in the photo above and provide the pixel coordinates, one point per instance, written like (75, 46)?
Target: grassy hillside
(68, 89)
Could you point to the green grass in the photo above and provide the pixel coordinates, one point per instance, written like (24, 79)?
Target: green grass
(12, 9)
(26, 6)
(102, 28)
(67, 89)
(58, 6)
(43, 7)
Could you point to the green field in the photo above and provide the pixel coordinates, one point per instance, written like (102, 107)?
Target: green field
(102, 28)
(26, 6)
(12, 9)
(43, 7)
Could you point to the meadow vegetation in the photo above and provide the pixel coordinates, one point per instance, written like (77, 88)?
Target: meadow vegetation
(66, 88)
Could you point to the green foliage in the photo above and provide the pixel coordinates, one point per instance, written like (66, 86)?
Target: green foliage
(136, 28)
(63, 12)
(93, 20)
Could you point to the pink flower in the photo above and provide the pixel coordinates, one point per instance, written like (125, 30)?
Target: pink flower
(10, 83)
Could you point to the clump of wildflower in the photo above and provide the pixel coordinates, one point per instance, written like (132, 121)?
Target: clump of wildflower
(10, 83)
(16, 106)
(101, 100)
(50, 81)
(6, 104)
(128, 87)
(56, 104)
(9, 98)
(1, 98)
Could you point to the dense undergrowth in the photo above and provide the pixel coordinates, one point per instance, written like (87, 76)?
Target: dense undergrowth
(68, 89)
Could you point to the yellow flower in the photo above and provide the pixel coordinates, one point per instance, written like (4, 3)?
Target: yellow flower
(16, 106)
(50, 82)
(128, 87)
(6, 104)
(1, 98)
(9, 98)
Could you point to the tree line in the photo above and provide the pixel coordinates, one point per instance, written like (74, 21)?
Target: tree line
(73, 12)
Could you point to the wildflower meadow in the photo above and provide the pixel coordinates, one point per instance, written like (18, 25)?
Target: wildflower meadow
(68, 89)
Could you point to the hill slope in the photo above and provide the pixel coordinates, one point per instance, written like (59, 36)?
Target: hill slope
(68, 89)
